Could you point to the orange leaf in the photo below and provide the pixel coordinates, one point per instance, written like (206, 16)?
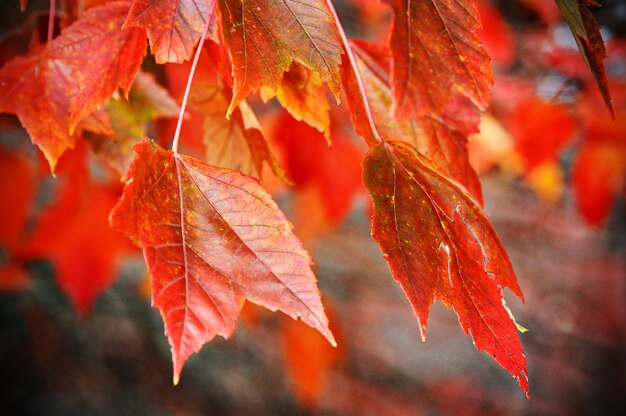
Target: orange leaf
(541, 130)
(309, 361)
(264, 37)
(36, 87)
(599, 174)
(212, 238)
(235, 143)
(33, 88)
(301, 93)
(455, 257)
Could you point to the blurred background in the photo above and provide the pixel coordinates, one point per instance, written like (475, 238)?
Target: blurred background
(78, 335)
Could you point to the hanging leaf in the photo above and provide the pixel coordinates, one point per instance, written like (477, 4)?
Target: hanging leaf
(33, 88)
(52, 90)
(440, 246)
(212, 238)
(586, 32)
(301, 93)
(237, 142)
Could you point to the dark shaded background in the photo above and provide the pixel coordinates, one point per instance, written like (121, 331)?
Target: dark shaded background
(117, 362)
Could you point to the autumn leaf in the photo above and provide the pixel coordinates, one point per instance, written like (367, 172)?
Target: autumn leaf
(436, 52)
(599, 175)
(174, 26)
(440, 246)
(442, 139)
(301, 93)
(212, 238)
(309, 378)
(541, 130)
(265, 37)
(234, 143)
(36, 87)
(114, 55)
(33, 88)
(586, 32)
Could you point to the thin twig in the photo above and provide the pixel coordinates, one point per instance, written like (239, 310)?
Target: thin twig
(190, 78)
(357, 74)
(51, 15)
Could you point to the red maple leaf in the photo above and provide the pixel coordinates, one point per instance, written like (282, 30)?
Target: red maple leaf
(212, 238)
(440, 246)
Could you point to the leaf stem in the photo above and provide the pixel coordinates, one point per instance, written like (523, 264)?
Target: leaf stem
(183, 105)
(359, 80)
(51, 15)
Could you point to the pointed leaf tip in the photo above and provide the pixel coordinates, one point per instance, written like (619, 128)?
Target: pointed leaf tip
(586, 32)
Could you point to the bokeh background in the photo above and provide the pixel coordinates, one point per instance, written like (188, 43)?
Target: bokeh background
(567, 244)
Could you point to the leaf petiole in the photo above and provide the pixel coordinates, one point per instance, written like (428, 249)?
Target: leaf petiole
(359, 80)
(183, 105)
(51, 15)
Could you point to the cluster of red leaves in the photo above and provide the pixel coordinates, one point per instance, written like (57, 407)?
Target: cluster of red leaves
(566, 116)
(211, 235)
